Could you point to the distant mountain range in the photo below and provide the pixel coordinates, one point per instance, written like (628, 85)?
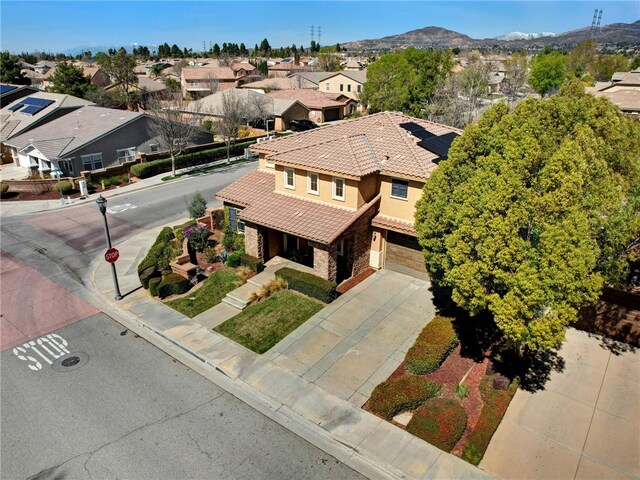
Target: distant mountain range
(437, 37)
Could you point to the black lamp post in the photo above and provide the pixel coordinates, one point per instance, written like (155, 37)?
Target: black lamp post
(102, 205)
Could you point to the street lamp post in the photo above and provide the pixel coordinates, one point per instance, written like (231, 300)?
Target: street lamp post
(102, 205)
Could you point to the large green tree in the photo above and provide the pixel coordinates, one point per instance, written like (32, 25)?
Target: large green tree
(120, 68)
(406, 80)
(533, 211)
(547, 73)
(10, 70)
(70, 79)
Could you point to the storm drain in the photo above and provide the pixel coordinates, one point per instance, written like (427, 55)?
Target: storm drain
(70, 362)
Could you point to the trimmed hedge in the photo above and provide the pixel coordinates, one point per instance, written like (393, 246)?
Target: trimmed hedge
(4, 188)
(63, 186)
(173, 284)
(155, 167)
(403, 393)
(308, 284)
(153, 285)
(496, 403)
(440, 421)
(431, 348)
(253, 263)
(234, 259)
(148, 268)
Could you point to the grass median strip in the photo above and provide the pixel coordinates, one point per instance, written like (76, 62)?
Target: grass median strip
(260, 326)
(211, 293)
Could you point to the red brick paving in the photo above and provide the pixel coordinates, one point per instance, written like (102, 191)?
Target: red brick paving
(31, 305)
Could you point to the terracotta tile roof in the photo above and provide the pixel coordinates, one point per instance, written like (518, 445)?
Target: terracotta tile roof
(626, 99)
(344, 155)
(243, 66)
(395, 149)
(296, 216)
(312, 99)
(394, 224)
(207, 73)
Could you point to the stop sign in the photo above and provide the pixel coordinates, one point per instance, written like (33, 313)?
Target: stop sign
(111, 255)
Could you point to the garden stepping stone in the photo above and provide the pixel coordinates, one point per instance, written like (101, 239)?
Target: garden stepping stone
(403, 418)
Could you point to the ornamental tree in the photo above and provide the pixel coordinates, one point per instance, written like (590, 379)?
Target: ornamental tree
(533, 212)
(547, 73)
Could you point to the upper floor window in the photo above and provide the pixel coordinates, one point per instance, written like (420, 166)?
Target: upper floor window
(341, 87)
(338, 188)
(289, 178)
(92, 161)
(359, 88)
(348, 87)
(399, 189)
(327, 86)
(126, 154)
(312, 183)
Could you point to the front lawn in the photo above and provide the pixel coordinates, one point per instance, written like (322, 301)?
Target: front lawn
(260, 326)
(211, 293)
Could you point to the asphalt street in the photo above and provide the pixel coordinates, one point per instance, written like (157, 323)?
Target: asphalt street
(128, 410)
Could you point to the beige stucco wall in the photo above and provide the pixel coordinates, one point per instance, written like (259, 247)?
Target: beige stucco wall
(399, 208)
(367, 189)
(325, 188)
(334, 86)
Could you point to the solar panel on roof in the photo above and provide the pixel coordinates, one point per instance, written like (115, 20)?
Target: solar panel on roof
(15, 107)
(31, 109)
(439, 145)
(6, 88)
(38, 102)
(417, 130)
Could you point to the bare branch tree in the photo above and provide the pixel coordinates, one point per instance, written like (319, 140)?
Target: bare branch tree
(173, 123)
(225, 60)
(516, 76)
(259, 107)
(232, 116)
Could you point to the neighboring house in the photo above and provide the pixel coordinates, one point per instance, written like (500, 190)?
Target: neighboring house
(353, 66)
(278, 112)
(285, 69)
(267, 85)
(44, 66)
(495, 81)
(10, 93)
(146, 87)
(94, 72)
(349, 84)
(623, 91)
(201, 81)
(31, 111)
(323, 107)
(312, 77)
(91, 138)
(340, 198)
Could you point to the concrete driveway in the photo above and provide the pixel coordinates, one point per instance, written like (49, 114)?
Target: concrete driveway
(361, 338)
(585, 424)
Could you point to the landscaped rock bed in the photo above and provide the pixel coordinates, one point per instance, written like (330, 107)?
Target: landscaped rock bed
(451, 400)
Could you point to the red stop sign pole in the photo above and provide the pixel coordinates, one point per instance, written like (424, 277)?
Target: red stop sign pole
(111, 255)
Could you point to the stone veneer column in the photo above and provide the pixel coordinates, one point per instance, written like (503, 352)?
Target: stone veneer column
(325, 262)
(254, 241)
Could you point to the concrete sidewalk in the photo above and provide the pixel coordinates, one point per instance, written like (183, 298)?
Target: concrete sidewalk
(357, 438)
(11, 208)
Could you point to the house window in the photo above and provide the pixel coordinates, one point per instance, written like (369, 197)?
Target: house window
(92, 161)
(289, 178)
(341, 87)
(66, 166)
(359, 88)
(338, 188)
(193, 83)
(340, 248)
(327, 86)
(126, 154)
(234, 222)
(399, 189)
(348, 87)
(153, 147)
(312, 183)
(269, 164)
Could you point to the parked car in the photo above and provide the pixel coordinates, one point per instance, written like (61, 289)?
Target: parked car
(302, 125)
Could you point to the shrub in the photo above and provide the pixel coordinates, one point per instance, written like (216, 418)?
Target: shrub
(64, 186)
(440, 421)
(111, 181)
(244, 271)
(238, 243)
(154, 262)
(153, 286)
(403, 393)
(210, 254)
(173, 284)
(461, 390)
(234, 258)
(253, 263)
(4, 188)
(496, 403)
(156, 167)
(431, 348)
(308, 284)
(270, 288)
(198, 236)
(197, 206)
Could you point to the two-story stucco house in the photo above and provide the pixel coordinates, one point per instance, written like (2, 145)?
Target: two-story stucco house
(347, 83)
(340, 198)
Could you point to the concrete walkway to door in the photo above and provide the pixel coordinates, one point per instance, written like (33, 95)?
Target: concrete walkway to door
(360, 339)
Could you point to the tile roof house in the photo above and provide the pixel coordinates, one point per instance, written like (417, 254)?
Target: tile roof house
(340, 198)
(91, 138)
(323, 107)
(199, 81)
(623, 91)
(94, 72)
(348, 83)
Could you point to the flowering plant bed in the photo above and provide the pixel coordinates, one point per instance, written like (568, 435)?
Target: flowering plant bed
(461, 416)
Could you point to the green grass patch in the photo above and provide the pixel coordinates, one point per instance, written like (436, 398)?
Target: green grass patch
(260, 326)
(209, 294)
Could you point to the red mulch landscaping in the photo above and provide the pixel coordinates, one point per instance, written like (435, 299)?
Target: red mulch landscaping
(347, 285)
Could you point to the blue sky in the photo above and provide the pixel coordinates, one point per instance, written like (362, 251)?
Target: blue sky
(62, 25)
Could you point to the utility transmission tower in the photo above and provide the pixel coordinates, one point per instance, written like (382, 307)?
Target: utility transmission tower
(319, 35)
(597, 32)
(595, 24)
(312, 34)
